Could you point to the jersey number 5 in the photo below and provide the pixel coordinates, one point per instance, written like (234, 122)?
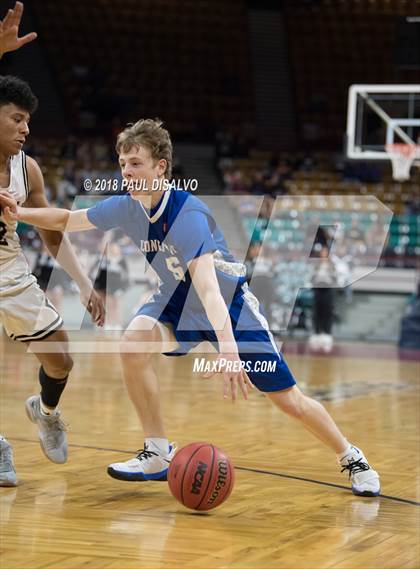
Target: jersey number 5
(173, 265)
(3, 231)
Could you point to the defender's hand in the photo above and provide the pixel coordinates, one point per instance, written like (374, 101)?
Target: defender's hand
(93, 302)
(9, 29)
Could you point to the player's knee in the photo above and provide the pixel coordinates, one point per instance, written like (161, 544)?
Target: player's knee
(59, 367)
(138, 344)
(137, 357)
(68, 363)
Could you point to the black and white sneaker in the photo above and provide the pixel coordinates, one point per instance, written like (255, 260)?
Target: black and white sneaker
(147, 465)
(364, 480)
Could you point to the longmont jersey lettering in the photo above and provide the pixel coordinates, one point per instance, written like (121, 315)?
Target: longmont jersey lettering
(154, 245)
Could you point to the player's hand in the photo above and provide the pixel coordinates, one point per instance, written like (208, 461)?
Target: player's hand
(233, 379)
(9, 29)
(9, 208)
(93, 302)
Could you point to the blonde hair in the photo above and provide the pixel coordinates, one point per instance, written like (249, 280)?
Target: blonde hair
(150, 134)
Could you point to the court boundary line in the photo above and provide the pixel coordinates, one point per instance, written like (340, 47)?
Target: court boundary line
(245, 469)
(321, 483)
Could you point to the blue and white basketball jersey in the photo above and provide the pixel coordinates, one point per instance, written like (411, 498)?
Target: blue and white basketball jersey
(180, 228)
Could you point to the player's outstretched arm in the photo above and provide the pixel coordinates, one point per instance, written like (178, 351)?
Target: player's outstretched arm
(44, 217)
(9, 30)
(55, 219)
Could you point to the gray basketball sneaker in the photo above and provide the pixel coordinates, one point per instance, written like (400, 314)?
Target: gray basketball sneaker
(7, 470)
(51, 430)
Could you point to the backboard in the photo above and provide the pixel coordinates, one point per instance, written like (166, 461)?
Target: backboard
(380, 117)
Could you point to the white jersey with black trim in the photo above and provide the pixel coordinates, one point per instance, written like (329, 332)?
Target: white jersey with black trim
(18, 188)
(13, 264)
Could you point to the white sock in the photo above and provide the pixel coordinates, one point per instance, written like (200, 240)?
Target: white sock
(347, 451)
(46, 410)
(157, 444)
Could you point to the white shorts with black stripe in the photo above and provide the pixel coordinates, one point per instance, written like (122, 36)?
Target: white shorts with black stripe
(28, 315)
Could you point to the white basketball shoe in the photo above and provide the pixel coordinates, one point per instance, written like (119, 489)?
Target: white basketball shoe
(147, 465)
(364, 480)
(315, 342)
(326, 343)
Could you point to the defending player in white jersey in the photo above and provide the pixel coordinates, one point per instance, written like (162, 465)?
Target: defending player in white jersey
(25, 312)
(202, 296)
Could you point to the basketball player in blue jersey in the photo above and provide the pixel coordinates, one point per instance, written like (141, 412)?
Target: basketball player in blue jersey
(25, 312)
(202, 296)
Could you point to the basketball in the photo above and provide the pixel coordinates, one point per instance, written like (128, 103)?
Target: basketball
(201, 476)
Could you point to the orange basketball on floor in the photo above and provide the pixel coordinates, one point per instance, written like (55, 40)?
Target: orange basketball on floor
(201, 476)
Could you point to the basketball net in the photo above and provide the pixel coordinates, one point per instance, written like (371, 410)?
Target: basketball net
(402, 157)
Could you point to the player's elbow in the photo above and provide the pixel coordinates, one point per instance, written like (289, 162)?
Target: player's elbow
(70, 221)
(78, 220)
(62, 223)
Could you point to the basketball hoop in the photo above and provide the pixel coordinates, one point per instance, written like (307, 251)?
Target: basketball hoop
(402, 157)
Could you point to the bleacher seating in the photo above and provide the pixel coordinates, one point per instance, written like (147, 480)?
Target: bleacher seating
(326, 189)
(189, 66)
